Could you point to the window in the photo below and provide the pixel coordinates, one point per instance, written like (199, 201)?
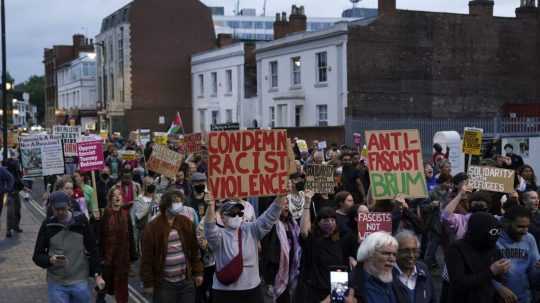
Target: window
(322, 115)
(282, 115)
(105, 87)
(296, 71)
(298, 116)
(228, 75)
(269, 25)
(201, 85)
(229, 116)
(112, 86)
(215, 117)
(202, 119)
(272, 116)
(247, 24)
(233, 24)
(259, 25)
(121, 51)
(273, 74)
(322, 67)
(214, 83)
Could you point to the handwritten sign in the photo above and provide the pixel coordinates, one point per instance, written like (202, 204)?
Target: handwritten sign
(144, 137)
(472, 141)
(395, 164)
(251, 163)
(90, 155)
(292, 158)
(164, 161)
(302, 146)
(128, 155)
(160, 138)
(373, 222)
(491, 179)
(41, 155)
(320, 178)
(193, 143)
(70, 135)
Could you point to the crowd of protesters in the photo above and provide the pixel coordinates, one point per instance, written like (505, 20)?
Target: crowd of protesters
(187, 247)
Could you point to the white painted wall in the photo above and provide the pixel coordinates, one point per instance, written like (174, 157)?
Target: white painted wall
(77, 89)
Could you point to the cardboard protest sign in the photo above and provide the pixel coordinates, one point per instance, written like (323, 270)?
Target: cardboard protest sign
(302, 146)
(90, 154)
(250, 163)
(472, 141)
(144, 137)
(193, 143)
(104, 134)
(395, 164)
(41, 155)
(491, 179)
(70, 135)
(292, 158)
(134, 136)
(13, 138)
(373, 222)
(160, 138)
(320, 178)
(128, 155)
(164, 161)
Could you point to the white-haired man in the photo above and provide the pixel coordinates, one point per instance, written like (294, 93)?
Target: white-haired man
(371, 280)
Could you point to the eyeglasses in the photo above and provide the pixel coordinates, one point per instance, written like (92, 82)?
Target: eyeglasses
(236, 214)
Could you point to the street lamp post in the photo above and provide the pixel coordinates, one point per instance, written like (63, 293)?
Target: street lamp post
(4, 80)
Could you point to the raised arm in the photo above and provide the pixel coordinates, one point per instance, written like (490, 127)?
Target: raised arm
(305, 221)
(452, 205)
(266, 221)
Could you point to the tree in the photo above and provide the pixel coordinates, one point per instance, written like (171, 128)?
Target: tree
(35, 86)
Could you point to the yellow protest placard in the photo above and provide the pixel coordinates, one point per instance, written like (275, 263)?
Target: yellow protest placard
(472, 141)
(160, 138)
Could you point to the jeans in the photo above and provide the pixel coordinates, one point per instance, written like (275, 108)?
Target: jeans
(72, 293)
(181, 292)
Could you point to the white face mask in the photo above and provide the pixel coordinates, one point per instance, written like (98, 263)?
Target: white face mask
(234, 222)
(176, 208)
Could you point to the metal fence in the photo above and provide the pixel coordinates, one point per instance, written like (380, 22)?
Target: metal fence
(495, 128)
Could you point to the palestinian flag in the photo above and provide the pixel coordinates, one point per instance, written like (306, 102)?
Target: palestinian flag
(177, 127)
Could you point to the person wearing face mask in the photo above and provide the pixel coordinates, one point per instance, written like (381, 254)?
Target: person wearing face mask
(235, 250)
(104, 183)
(321, 251)
(518, 246)
(473, 262)
(296, 195)
(171, 264)
(345, 203)
(196, 199)
(117, 246)
(146, 208)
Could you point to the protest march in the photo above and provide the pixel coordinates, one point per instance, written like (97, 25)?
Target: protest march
(238, 214)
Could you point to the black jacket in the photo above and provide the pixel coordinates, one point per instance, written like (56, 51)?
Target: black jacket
(424, 290)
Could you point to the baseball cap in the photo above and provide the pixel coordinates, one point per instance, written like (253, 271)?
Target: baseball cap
(228, 207)
(59, 199)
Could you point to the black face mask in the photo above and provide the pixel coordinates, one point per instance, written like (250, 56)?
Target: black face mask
(199, 188)
(300, 186)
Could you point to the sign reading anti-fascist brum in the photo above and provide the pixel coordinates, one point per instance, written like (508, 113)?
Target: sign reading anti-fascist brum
(320, 178)
(373, 222)
(395, 164)
(164, 161)
(251, 163)
(491, 179)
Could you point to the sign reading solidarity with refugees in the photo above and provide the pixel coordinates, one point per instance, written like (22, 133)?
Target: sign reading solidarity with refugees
(395, 164)
(373, 222)
(472, 141)
(320, 178)
(250, 163)
(41, 155)
(90, 152)
(164, 161)
(70, 135)
(491, 178)
(193, 143)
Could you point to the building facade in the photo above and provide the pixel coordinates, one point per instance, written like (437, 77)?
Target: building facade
(302, 79)
(222, 83)
(23, 114)
(77, 89)
(143, 63)
(52, 59)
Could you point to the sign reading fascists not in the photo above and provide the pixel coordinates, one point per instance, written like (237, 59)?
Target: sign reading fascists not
(373, 222)
(320, 178)
(491, 179)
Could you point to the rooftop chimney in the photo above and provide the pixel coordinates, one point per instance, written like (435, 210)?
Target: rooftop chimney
(387, 7)
(224, 40)
(281, 26)
(481, 8)
(297, 20)
(78, 40)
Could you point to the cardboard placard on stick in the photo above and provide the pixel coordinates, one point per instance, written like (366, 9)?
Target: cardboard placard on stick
(164, 161)
(250, 163)
(193, 143)
(373, 222)
(41, 155)
(395, 164)
(320, 178)
(472, 141)
(491, 178)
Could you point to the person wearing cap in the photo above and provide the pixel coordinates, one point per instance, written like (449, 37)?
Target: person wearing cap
(237, 277)
(196, 199)
(66, 247)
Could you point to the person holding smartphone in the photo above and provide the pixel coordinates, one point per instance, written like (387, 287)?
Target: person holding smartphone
(66, 247)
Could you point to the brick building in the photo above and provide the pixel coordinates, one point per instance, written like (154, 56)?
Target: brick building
(441, 65)
(143, 62)
(53, 58)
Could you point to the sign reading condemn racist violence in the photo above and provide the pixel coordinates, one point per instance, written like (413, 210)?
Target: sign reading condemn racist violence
(320, 178)
(395, 164)
(251, 163)
(164, 161)
(373, 222)
(491, 179)
(90, 155)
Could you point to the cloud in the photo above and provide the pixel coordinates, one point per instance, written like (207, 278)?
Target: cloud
(33, 25)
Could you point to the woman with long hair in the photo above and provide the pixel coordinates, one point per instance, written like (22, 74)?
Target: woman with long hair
(527, 178)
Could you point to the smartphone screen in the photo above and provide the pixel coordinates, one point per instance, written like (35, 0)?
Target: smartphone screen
(339, 284)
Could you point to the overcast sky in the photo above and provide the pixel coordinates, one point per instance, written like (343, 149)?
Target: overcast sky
(33, 25)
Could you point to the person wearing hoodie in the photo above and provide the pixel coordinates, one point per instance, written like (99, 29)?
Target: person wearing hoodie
(518, 246)
(473, 262)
